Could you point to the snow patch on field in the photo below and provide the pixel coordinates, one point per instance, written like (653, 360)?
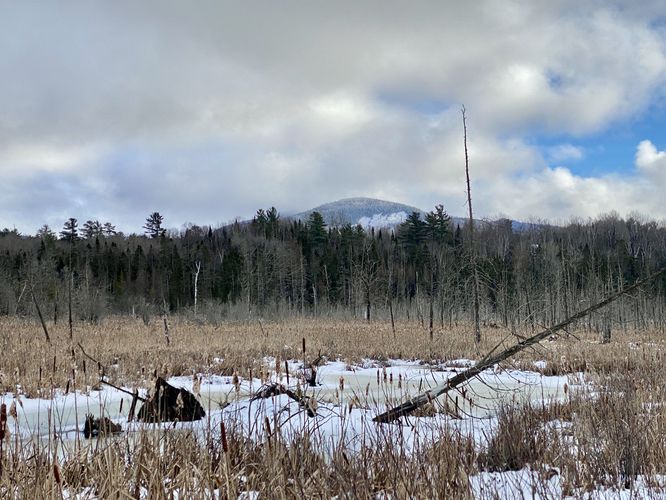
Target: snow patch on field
(346, 400)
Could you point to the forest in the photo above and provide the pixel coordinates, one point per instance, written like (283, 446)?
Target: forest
(275, 267)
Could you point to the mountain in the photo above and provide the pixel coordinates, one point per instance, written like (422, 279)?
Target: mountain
(371, 212)
(368, 212)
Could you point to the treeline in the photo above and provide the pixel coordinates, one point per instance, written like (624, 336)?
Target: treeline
(276, 267)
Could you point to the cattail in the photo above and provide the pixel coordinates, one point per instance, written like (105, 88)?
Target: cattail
(342, 384)
(196, 385)
(3, 421)
(391, 379)
(223, 435)
(12, 410)
(399, 380)
(286, 369)
(235, 382)
(56, 474)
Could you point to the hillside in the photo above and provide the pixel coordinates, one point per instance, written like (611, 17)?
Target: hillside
(368, 212)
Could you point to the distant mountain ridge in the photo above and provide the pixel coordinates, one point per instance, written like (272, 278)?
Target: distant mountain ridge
(368, 212)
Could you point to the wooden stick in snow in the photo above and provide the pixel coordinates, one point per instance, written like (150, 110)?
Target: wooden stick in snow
(418, 401)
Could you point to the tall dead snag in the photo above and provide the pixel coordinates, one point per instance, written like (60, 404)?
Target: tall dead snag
(489, 361)
(472, 251)
(196, 272)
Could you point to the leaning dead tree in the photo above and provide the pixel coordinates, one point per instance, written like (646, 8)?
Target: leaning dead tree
(490, 360)
(472, 251)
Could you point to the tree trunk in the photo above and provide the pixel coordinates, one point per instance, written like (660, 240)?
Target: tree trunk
(477, 327)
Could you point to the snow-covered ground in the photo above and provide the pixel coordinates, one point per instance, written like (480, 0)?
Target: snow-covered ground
(345, 401)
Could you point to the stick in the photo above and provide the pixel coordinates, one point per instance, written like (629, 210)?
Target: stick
(277, 389)
(409, 406)
(99, 365)
(133, 394)
(39, 313)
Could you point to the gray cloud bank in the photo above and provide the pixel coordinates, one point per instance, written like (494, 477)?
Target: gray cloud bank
(206, 111)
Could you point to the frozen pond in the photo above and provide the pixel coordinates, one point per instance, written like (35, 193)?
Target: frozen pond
(370, 388)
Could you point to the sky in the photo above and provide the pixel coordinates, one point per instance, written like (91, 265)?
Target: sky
(207, 111)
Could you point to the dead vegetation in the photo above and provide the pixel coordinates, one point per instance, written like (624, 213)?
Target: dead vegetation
(605, 438)
(131, 352)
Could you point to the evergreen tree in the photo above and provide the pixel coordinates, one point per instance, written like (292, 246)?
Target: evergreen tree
(413, 231)
(70, 231)
(92, 229)
(317, 229)
(109, 229)
(153, 225)
(272, 221)
(437, 225)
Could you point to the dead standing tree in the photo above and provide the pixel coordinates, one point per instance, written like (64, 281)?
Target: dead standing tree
(490, 360)
(472, 251)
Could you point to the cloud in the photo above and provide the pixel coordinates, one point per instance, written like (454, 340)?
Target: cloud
(650, 161)
(558, 195)
(117, 109)
(564, 152)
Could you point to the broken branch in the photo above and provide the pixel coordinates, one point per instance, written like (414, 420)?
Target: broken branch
(409, 406)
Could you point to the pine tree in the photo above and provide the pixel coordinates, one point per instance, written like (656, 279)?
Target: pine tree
(70, 230)
(92, 229)
(109, 229)
(153, 225)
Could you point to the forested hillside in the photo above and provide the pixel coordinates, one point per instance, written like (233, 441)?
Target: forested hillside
(270, 267)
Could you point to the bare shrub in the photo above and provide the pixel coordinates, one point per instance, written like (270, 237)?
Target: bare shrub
(520, 439)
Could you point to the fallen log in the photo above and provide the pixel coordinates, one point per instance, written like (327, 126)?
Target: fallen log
(170, 404)
(488, 361)
(270, 390)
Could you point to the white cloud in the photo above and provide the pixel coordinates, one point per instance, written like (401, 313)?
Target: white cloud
(209, 113)
(649, 160)
(564, 152)
(21, 158)
(557, 194)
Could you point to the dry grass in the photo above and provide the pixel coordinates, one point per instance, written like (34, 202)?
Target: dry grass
(132, 351)
(612, 435)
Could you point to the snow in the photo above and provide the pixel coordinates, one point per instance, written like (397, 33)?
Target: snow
(521, 484)
(347, 399)
(380, 220)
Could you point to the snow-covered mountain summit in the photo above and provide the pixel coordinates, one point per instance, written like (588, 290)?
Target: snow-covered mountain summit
(368, 212)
